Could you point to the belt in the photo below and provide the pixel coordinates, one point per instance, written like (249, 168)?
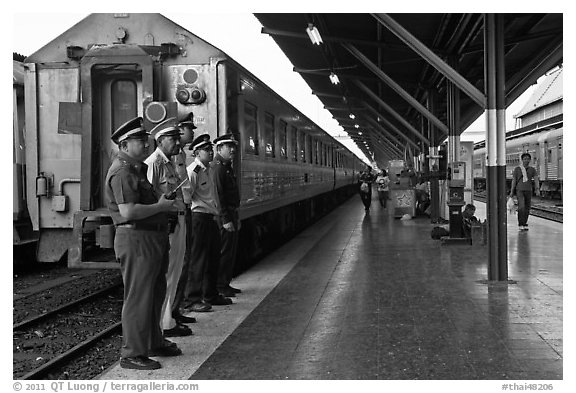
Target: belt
(210, 215)
(182, 212)
(145, 227)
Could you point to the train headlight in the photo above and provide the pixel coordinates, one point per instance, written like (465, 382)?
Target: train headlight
(197, 96)
(182, 95)
(190, 95)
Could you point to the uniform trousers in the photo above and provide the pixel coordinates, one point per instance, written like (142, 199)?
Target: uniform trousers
(205, 258)
(174, 272)
(143, 257)
(524, 204)
(183, 281)
(228, 248)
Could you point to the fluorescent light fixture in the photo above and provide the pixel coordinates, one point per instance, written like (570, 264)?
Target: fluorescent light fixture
(314, 34)
(351, 115)
(359, 132)
(334, 78)
(356, 126)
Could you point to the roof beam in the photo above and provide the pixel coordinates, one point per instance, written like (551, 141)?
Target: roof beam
(385, 132)
(396, 115)
(391, 126)
(294, 34)
(468, 88)
(395, 86)
(385, 135)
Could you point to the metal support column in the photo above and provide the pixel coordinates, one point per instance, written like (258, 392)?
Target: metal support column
(453, 117)
(495, 146)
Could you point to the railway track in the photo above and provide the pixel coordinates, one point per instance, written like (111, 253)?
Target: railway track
(46, 344)
(548, 210)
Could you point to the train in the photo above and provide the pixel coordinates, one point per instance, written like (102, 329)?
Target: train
(108, 68)
(545, 147)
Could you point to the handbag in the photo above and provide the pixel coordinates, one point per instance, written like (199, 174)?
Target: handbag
(511, 205)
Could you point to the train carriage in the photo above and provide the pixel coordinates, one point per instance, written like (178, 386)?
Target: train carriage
(109, 68)
(545, 147)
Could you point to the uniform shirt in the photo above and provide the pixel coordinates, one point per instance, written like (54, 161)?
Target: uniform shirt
(226, 188)
(518, 178)
(179, 162)
(204, 198)
(162, 174)
(126, 182)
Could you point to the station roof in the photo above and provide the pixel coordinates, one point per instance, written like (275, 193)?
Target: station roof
(385, 80)
(549, 91)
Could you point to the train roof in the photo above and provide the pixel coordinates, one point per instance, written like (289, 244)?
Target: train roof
(547, 92)
(142, 29)
(535, 138)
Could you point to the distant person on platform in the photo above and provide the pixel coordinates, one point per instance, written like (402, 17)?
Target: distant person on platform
(408, 172)
(468, 219)
(383, 183)
(141, 247)
(522, 178)
(365, 179)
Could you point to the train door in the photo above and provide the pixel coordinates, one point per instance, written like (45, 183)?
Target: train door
(117, 81)
(116, 99)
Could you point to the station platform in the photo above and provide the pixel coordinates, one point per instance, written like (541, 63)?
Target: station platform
(370, 297)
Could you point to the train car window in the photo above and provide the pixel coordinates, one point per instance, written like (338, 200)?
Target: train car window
(269, 140)
(250, 128)
(124, 98)
(294, 143)
(282, 139)
(302, 146)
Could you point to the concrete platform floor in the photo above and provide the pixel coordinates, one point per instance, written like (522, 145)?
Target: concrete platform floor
(367, 297)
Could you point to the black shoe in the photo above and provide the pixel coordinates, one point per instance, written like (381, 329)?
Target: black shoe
(178, 331)
(227, 292)
(219, 301)
(179, 318)
(235, 290)
(199, 307)
(168, 343)
(139, 363)
(165, 351)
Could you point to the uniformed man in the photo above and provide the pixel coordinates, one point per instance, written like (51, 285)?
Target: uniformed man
(229, 202)
(180, 160)
(201, 292)
(165, 179)
(141, 247)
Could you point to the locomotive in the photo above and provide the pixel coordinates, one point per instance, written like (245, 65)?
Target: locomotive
(545, 147)
(110, 68)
